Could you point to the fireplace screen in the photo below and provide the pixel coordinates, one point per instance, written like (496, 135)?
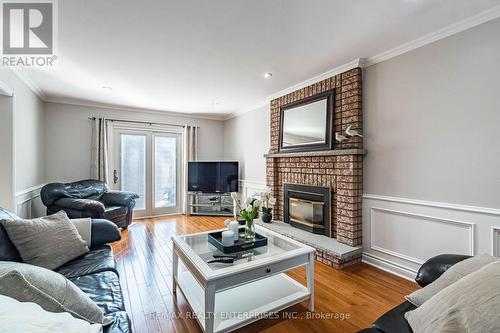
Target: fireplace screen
(307, 207)
(307, 212)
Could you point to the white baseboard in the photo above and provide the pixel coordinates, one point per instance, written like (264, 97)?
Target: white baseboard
(388, 266)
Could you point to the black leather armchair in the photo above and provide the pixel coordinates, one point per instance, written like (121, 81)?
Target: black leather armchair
(394, 320)
(90, 198)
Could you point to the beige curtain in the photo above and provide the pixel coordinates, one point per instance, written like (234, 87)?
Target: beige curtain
(190, 154)
(99, 157)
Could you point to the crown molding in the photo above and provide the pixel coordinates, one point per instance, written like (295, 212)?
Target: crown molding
(24, 77)
(5, 90)
(332, 72)
(432, 37)
(76, 102)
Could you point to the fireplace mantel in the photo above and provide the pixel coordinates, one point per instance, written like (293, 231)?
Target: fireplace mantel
(334, 152)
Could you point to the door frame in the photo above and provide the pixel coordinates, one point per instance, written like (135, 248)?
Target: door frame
(117, 127)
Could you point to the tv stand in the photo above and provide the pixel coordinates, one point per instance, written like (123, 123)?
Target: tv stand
(217, 204)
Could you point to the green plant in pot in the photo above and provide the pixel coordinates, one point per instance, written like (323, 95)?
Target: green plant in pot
(267, 200)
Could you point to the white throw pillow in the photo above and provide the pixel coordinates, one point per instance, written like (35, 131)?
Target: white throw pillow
(452, 275)
(31, 318)
(468, 305)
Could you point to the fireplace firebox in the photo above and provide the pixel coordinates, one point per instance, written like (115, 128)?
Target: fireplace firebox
(307, 207)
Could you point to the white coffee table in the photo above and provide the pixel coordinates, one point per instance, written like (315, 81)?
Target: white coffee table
(225, 297)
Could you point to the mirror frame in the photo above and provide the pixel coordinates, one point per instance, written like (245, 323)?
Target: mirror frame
(330, 109)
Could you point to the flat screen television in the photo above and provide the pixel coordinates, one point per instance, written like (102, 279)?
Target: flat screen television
(213, 177)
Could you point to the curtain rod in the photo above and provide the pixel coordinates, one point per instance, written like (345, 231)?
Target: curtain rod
(140, 122)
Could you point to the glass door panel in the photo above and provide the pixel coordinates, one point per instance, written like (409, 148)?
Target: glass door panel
(149, 163)
(133, 166)
(167, 171)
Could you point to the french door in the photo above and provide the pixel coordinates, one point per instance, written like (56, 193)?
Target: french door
(149, 163)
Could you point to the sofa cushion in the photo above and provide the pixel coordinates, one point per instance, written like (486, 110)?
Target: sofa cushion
(121, 324)
(98, 259)
(52, 291)
(104, 289)
(113, 212)
(394, 321)
(48, 241)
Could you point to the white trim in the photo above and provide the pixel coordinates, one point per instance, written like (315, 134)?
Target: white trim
(332, 72)
(459, 207)
(495, 233)
(26, 198)
(29, 190)
(447, 31)
(469, 226)
(26, 79)
(77, 102)
(389, 266)
(255, 183)
(5, 90)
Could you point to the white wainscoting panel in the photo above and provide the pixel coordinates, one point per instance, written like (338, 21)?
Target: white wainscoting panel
(249, 187)
(495, 241)
(400, 234)
(29, 204)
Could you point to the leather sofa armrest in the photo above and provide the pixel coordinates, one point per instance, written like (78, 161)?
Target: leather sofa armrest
(119, 198)
(81, 204)
(436, 266)
(103, 232)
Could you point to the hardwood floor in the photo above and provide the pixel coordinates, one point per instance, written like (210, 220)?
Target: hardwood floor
(358, 295)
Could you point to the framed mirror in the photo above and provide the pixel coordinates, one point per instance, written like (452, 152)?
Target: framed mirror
(307, 125)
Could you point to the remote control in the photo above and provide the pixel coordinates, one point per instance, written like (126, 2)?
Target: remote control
(224, 260)
(217, 256)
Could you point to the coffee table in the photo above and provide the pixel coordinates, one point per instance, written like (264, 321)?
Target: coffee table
(225, 297)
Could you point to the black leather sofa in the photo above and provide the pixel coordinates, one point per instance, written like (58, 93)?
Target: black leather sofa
(394, 321)
(94, 272)
(89, 198)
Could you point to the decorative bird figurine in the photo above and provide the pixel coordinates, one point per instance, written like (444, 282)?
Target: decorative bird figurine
(339, 137)
(351, 132)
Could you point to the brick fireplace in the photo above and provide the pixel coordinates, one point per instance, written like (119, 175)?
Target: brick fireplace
(340, 169)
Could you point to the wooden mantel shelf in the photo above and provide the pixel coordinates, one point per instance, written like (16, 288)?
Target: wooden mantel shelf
(334, 152)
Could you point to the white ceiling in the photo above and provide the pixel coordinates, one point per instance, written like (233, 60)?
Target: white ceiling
(188, 55)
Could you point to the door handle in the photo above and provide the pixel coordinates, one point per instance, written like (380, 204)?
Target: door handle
(115, 177)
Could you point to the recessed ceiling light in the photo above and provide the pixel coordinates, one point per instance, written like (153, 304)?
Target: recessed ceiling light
(108, 88)
(268, 75)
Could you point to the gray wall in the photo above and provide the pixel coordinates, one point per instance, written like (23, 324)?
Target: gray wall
(6, 152)
(431, 121)
(28, 133)
(246, 139)
(68, 137)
